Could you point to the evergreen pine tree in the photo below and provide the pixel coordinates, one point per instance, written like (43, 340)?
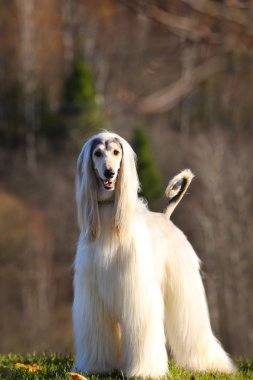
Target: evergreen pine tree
(80, 102)
(148, 175)
(79, 92)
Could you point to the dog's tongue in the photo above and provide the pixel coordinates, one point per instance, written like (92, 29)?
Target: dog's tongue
(108, 182)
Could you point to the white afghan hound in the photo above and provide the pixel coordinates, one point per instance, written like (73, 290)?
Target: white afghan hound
(137, 286)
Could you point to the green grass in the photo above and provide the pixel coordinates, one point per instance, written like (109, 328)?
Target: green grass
(56, 367)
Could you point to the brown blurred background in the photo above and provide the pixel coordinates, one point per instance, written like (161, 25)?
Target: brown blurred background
(179, 70)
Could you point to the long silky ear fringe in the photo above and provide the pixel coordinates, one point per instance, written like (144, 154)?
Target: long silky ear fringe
(126, 194)
(86, 195)
(176, 189)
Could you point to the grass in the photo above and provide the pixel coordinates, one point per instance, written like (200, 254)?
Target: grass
(56, 367)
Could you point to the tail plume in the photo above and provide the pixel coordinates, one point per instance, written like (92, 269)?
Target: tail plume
(177, 188)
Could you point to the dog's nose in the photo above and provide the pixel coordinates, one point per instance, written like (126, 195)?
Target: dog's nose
(109, 173)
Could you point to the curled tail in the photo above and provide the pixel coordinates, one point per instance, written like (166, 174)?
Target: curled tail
(176, 189)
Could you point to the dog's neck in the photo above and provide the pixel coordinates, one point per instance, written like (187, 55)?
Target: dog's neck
(105, 196)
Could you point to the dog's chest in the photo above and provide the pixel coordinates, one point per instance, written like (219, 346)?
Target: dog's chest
(114, 277)
(119, 273)
(111, 287)
(127, 272)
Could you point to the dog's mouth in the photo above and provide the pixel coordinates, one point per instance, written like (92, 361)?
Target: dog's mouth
(108, 184)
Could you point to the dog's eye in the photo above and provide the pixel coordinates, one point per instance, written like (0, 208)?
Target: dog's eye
(98, 153)
(115, 152)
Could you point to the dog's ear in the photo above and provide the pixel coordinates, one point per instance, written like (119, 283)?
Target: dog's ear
(127, 187)
(86, 194)
(177, 188)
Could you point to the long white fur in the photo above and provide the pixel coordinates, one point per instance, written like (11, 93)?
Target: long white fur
(137, 286)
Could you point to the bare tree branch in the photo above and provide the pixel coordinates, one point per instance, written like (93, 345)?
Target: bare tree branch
(169, 97)
(179, 25)
(237, 21)
(210, 8)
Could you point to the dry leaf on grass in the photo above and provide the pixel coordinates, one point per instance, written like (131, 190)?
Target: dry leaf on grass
(77, 376)
(29, 367)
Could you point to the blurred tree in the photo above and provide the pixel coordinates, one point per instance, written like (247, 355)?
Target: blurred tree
(12, 129)
(149, 177)
(52, 125)
(80, 100)
(79, 92)
(26, 257)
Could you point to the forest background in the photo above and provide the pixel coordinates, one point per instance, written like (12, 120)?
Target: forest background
(175, 78)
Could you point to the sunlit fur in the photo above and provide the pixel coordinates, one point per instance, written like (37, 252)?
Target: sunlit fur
(137, 287)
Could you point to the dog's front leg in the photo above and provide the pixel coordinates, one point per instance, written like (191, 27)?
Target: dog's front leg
(143, 339)
(95, 333)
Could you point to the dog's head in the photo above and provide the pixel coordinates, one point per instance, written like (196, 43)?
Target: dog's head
(106, 156)
(106, 172)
